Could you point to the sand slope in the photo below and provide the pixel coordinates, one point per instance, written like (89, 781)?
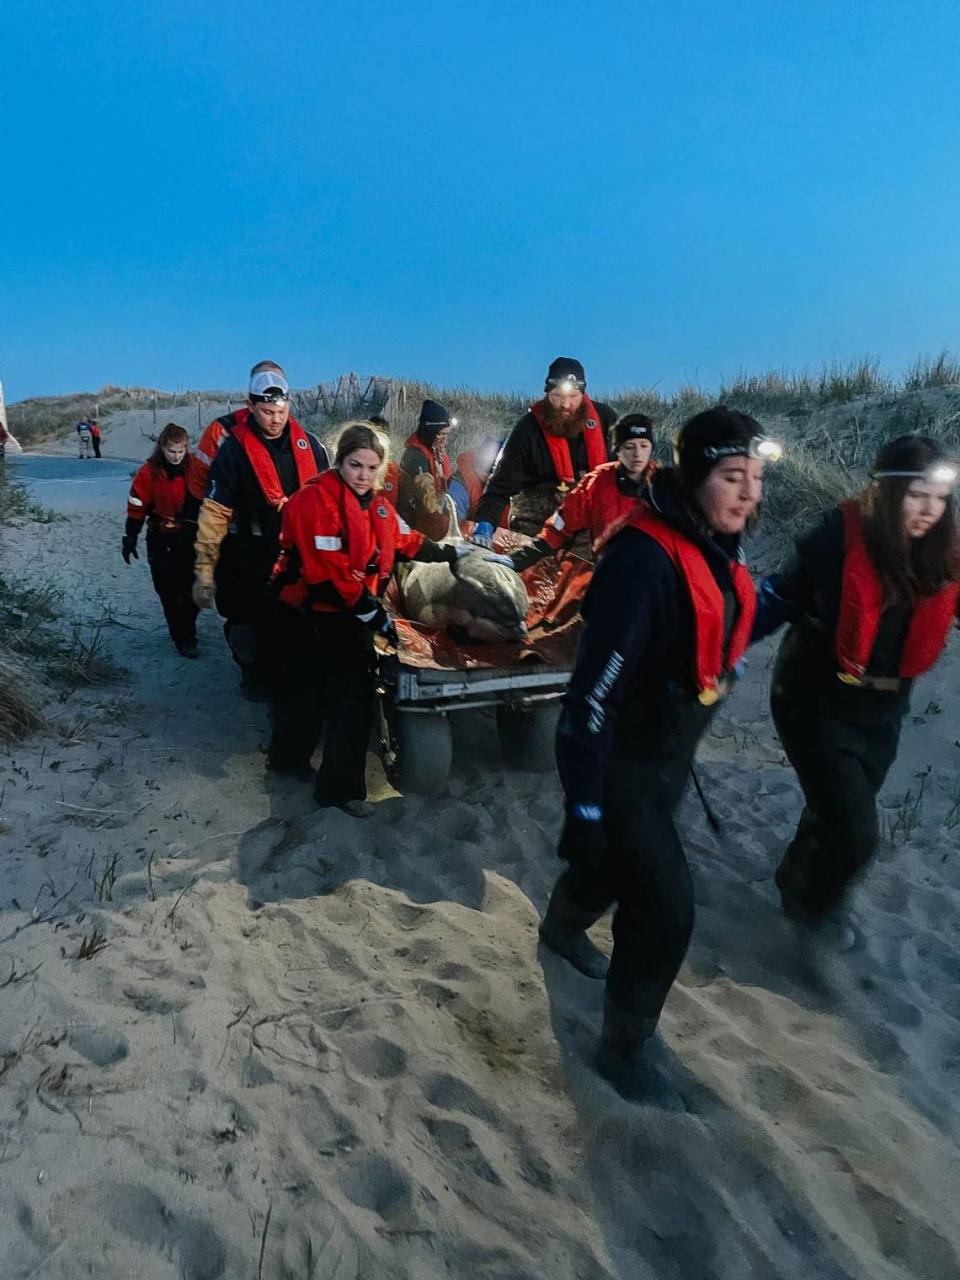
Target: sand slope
(334, 1047)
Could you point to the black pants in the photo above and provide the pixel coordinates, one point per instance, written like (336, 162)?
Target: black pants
(170, 556)
(96, 447)
(645, 870)
(324, 684)
(840, 765)
(248, 610)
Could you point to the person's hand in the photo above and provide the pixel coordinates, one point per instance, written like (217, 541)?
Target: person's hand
(382, 624)
(582, 842)
(482, 535)
(203, 592)
(128, 548)
(494, 557)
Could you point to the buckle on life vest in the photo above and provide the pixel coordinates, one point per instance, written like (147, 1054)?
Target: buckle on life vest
(846, 678)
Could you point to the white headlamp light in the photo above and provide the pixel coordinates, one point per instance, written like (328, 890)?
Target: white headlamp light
(566, 385)
(939, 473)
(758, 447)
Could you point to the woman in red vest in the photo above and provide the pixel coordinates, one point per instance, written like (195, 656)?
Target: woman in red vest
(603, 497)
(340, 541)
(159, 495)
(667, 616)
(871, 593)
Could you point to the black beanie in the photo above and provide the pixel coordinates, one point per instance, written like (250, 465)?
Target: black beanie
(633, 426)
(709, 437)
(433, 418)
(565, 367)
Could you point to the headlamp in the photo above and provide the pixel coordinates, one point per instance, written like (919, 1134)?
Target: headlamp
(273, 396)
(939, 473)
(758, 447)
(566, 385)
(454, 422)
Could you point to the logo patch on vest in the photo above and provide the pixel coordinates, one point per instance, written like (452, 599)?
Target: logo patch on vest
(382, 512)
(302, 444)
(590, 424)
(388, 486)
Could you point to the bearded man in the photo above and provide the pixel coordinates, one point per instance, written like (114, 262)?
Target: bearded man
(555, 444)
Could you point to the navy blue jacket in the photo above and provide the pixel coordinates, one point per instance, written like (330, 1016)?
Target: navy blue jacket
(632, 690)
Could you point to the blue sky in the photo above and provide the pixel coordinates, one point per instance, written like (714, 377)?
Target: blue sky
(670, 191)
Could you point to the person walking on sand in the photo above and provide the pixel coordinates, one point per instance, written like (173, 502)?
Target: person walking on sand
(555, 444)
(84, 439)
(95, 437)
(264, 459)
(159, 495)
(340, 542)
(215, 432)
(602, 497)
(871, 593)
(667, 616)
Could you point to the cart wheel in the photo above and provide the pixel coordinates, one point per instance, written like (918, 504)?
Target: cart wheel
(528, 735)
(420, 752)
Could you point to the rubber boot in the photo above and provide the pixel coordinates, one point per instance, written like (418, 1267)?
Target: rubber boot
(623, 1061)
(564, 930)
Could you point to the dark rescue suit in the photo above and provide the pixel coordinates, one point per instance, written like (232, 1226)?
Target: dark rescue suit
(667, 616)
(254, 477)
(338, 552)
(537, 469)
(841, 687)
(159, 494)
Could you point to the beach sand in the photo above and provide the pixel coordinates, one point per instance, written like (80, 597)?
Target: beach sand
(318, 1047)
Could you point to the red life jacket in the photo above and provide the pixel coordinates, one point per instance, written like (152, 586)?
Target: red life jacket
(597, 503)
(442, 477)
(159, 496)
(263, 466)
(862, 601)
(325, 524)
(593, 435)
(709, 661)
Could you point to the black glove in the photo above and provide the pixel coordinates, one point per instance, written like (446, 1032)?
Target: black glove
(128, 548)
(582, 843)
(382, 624)
(524, 557)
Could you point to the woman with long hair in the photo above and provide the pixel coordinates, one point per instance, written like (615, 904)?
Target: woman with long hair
(159, 495)
(340, 540)
(871, 594)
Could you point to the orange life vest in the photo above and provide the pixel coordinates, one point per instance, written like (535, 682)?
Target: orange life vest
(264, 469)
(441, 477)
(593, 435)
(862, 601)
(710, 662)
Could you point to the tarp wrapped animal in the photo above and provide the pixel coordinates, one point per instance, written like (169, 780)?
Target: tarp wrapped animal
(484, 600)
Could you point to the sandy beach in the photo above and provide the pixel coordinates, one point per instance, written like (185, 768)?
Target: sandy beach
(307, 1046)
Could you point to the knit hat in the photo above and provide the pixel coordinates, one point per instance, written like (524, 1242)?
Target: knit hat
(433, 418)
(633, 426)
(709, 437)
(565, 368)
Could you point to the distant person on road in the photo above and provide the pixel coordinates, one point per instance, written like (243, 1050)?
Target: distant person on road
(425, 471)
(555, 444)
(95, 437)
(602, 498)
(160, 496)
(84, 439)
(871, 593)
(259, 464)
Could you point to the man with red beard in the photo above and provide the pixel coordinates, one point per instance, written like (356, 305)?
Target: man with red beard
(560, 439)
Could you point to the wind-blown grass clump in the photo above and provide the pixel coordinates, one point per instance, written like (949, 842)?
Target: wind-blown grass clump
(19, 713)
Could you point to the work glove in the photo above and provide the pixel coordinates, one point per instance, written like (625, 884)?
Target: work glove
(494, 557)
(482, 535)
(204, 590)
(582, 842)
(128, 548)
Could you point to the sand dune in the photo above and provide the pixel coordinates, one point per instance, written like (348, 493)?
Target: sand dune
(334, 1046)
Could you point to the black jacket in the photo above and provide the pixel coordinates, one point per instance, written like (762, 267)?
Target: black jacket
(232, 482)
(632, 690)
(525, 463)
